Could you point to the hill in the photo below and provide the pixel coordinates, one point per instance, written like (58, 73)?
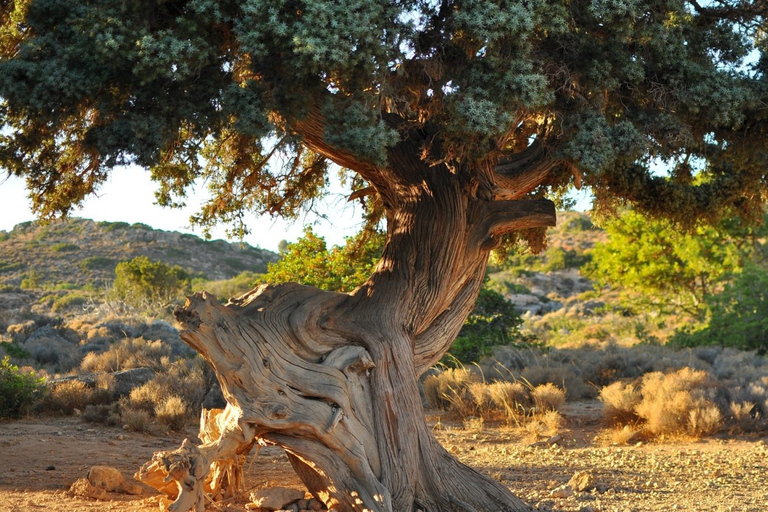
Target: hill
(82, 252)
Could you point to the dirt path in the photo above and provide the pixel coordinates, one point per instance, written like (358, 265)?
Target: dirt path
(40, 458)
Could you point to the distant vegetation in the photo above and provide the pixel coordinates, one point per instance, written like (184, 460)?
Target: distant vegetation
(551, 335)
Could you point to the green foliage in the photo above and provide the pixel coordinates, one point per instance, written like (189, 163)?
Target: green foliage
(68, 301)
(14, 350)
(609, 87)
(97, 263)
(666, 267)
(738, 315)
(308, 261)
(18, 390)
(227, 288)
(10, 266)
(143, 283)
(493, 322)
(32, 281)
(4, 235)
(112, 226)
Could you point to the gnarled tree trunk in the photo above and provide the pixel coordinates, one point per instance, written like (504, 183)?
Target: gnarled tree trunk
(333, 377)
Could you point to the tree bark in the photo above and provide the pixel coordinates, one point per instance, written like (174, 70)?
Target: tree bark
(333, 378)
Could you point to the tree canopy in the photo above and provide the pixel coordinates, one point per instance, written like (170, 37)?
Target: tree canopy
(256, 96)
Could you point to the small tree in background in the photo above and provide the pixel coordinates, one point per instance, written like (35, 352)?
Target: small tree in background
(146, 284)
(665, 268)
(738, 314)
(309, 261)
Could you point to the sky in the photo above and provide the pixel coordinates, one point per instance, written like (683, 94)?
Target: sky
(128, 196)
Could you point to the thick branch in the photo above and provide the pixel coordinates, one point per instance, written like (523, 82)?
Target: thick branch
(312, 129)
(503, 217)
(519, 174)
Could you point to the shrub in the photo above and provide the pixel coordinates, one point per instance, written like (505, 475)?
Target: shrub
(677, 403)
(185, 379)
(739, 315)
(492, 322)
(128, 353)
(172, 411)
(97, 263)
(620, 401)
(18, 390)
(547, 397)
(65, 397)
(68, 301)
(136, 420)
(143, 283)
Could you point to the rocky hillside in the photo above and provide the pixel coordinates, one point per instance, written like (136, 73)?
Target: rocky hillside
(81, 251)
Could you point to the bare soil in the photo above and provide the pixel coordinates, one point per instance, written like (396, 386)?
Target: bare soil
(41, 457)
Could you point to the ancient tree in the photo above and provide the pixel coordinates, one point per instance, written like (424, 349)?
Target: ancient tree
(457, 121)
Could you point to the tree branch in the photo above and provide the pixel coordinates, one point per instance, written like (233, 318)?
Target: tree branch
(503, 217)
(519, 174)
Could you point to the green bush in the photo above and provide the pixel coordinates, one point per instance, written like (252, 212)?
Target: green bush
(493, 322)
(739, 315)
(68, 301)
(97, 263)
(18, 390)
(112, 226)
(32, 281)
(143, 283)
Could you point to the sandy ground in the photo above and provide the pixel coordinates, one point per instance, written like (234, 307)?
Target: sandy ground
(41, 457)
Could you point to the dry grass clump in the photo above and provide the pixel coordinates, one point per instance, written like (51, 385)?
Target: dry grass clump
(676, 403)
(185, 380)
(136, 420)
(547, 398)
(465, 395)
(65, 397)
(620, 401)
(173, 412)
(513, 398)
(128, 353)
(547, 424)
(624, 434)
(442, 390)
(680, 402)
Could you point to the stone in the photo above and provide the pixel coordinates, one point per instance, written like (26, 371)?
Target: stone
(83, 488)
(564, 491)
(275, 498)
(106, 477)
(582, 481)
(131, 487)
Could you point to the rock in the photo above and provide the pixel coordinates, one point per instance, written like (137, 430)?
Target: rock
(83, 488)
(131, 487)
(582, 481)
(106, 477)
(276, 498)
(47, 346)
(315, 504)
(127, 380)
(564, 491)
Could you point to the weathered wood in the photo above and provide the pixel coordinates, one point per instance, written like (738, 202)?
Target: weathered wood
(333, 377)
